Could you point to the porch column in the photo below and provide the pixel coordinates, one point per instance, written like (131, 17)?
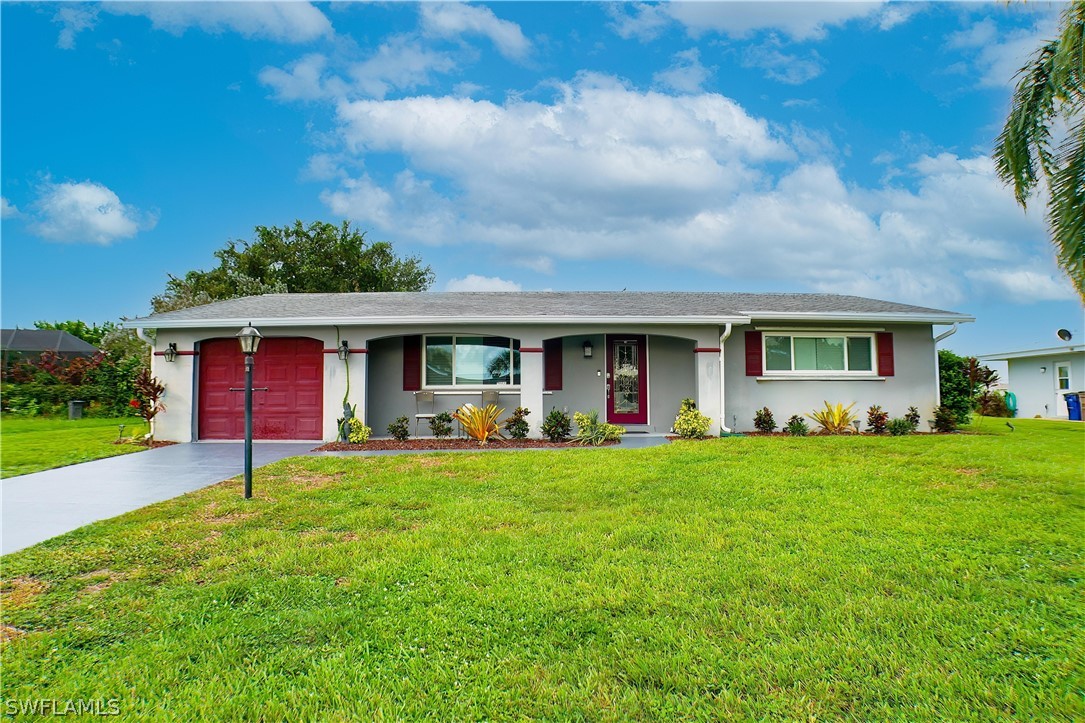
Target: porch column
(343, 380)
(531, 383)
(709, 381)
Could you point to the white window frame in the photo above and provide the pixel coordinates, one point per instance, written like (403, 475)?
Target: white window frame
(843, 373)
(465, 387)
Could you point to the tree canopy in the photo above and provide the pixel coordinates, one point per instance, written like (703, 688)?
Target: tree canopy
(319, 257)
(90, 333)
(1050, 97)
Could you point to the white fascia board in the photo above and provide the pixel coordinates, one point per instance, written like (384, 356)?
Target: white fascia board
(882, 318)
(150, 323)
(1050, 351)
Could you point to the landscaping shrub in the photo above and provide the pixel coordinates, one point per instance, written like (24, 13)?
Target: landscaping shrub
(359, 432)
(835, 419)
(899, 427)
(945, 419)
(993, 404)
(557, 426)
(763, 420)
(148, 399)
(796, 426)
(691, 423)
(913, 418)
(958, 390)
(440, 425)
(877, 419)
(400, 429)
(479, 423)
(589, 430)
(516, 425)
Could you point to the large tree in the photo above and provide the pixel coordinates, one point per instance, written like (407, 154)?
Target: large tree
(320, 257)
(1044, 137)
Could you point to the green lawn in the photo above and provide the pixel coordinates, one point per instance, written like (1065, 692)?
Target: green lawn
(31, 444)
(917, 578)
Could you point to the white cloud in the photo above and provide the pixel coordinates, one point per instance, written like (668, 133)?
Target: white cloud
(451, 20)
(85, 212)
(74, 19)
(797, 20)
(780, 66)
(400, 63)
(995, 55)
(643, 21)
(8, 209)
(686, 74)
(289, 22)
(1022, 286)
(474, 282)
(302, 80)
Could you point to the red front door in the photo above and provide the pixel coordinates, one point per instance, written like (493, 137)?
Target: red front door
(291, 408)
(627, 379)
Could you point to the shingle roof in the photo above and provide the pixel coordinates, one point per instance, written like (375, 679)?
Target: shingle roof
(37, 340)
(536, 307)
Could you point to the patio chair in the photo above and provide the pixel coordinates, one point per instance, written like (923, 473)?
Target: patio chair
(423, 408)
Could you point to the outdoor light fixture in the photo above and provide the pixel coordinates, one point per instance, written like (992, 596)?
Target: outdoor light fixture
(250, 342)
(1043, 370)
(587, 349)
(930, 423)
(344, 350)
(856, 424)
(170, 354)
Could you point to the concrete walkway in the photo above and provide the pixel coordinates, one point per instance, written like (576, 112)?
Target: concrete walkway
(42, 505)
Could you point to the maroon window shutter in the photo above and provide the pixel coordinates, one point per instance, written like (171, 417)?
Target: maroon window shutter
(412, 363)
(885, 354)
(551, 364)
(754, 367)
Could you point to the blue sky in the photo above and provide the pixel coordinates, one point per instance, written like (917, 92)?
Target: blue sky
(836, 147)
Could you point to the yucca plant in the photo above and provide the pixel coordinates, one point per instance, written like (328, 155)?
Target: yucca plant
(480, 423)
(835, 419)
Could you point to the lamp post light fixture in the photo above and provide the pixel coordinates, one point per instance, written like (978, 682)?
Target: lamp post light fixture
(344, 350)
(250, 342)
(587, 349)
(856, 424)
(931, 423)
(170, 352)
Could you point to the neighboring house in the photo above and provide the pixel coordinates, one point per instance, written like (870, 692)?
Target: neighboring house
(631, 355)
(28, 344)
(1040, 377)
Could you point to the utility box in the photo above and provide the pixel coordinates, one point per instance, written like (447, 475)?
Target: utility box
(75, 409)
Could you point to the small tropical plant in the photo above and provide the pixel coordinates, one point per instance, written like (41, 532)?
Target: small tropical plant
(440, 425)
(148, 399)
(557, 426)
(763, 421)
(945, 419)
(796, 426)
(344, 421)
(589, 430)
(877, 419)
(480, 423)
(400, 429)
(899, 427)
(516, 425)
(691, 423)
(913, 418)
(835, 419)
(359, 432)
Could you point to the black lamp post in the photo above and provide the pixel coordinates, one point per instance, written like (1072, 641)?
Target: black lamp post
(250, 342)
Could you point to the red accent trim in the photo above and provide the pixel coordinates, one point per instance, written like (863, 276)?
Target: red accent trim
(706, 350)
(412, 363)
(352, 351)
(754, 352)
(885, 354)
(532, 349)
(180, 353)
(552, 364)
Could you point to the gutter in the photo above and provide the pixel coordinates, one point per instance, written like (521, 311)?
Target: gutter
(151, 322)
(937, 373)
(723, 416)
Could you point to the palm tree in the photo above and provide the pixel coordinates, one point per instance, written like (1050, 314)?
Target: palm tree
(1052, 90)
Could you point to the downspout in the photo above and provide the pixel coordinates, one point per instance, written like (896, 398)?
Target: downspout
(723, 417)
(937, 373)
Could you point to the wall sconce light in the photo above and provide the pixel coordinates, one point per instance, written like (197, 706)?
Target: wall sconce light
(344, 350)
(170, 353)
(587, 349)
(1043, 370)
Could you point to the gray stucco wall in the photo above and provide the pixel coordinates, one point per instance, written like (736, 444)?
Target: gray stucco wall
(913, 383)
(1035, 389)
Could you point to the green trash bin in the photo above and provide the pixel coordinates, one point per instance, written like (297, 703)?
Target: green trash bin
(75, 409)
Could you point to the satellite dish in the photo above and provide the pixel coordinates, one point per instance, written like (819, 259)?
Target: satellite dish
(1064, 334)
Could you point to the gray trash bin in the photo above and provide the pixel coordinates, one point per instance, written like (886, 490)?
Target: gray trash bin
(75, 409)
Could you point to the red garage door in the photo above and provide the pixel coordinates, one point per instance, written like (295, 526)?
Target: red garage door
(292, 408)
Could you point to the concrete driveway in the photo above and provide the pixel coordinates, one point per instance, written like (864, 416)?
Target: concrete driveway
(42, 505)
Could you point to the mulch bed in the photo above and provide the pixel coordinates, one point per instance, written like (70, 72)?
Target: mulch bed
(376, 445)
(153, 445)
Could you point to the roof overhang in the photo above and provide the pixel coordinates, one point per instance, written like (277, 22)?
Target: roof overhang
(1030, 353)
(881, 318)
(152, 323)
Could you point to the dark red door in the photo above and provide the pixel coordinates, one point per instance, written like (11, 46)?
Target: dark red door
(627, 379)
(292, 408)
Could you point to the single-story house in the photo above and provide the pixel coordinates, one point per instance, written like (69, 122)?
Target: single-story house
(1040, 377)
(633, 356)
(28, 344)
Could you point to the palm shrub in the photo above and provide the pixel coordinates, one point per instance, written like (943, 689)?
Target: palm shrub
(763, 420)
(899, 427)
(912, 416)
(479, 423)
(835, 419)
(557, 426)
(796, 426)
(440, 425)
(516, 425)
(691, 423)
(877, 419)
(400, 429)
(589, 430)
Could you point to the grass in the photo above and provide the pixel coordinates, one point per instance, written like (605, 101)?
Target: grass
(33, 444)
(914, 578)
